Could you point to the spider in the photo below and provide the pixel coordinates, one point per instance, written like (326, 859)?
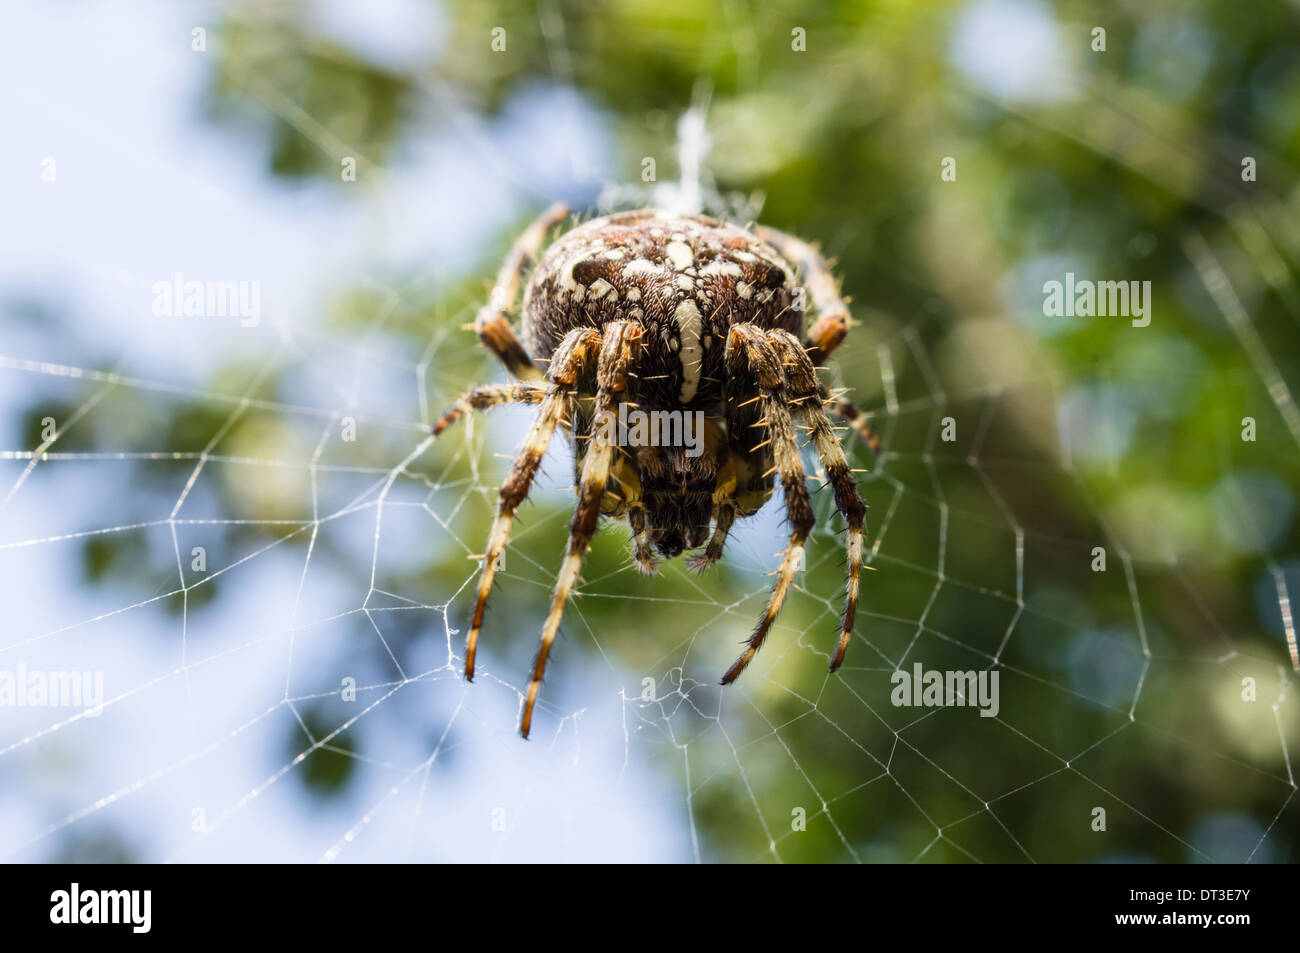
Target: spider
(680, 313)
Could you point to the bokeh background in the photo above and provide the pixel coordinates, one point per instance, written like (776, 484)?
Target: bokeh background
(212, 140)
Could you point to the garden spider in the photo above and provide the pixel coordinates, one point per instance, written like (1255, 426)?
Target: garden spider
(669, 313)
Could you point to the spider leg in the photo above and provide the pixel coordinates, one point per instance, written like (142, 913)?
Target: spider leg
(641, 547)
(805, 394)
(620, 344)
(644, 552)
(493, 321)
(571, 357)
(859, 420)
(749, 355)
(724, 498)
(833, 319)
(624, 497)
(493, 395)
(723, 517)
(831, 326)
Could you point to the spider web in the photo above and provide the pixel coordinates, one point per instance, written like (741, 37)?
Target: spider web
(225, 732)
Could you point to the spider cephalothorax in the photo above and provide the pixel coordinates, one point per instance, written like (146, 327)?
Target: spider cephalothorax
(695, 329)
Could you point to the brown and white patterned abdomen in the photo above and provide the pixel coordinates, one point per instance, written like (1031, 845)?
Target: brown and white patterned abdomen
(684, 279)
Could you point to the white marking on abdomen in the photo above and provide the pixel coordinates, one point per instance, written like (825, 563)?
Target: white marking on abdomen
(641, 266)
(689, 322)
(720, 267)
(599, 288)
(680, 254)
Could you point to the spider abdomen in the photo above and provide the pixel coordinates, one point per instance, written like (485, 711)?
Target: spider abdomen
(684, 278)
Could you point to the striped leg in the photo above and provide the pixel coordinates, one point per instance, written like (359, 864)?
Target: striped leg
(722, 520)
(618, 351)
(724, 497)
(833, 320)
(493, 395)
(624, 497)
(750, 356)
(857, 419)
(641, 547)
(574, 353)
(493, 321)
(805, 395)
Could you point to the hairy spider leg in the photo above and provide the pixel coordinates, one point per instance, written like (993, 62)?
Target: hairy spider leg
(833, 321)
(804, 392)
(642, 548)
(749, 355)
(493, 321)
(574, 354)
(859, 420)
(620, 344)
(832, 324)
(741, 490)
(489, 396)
(624, 496)
(724, 515)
